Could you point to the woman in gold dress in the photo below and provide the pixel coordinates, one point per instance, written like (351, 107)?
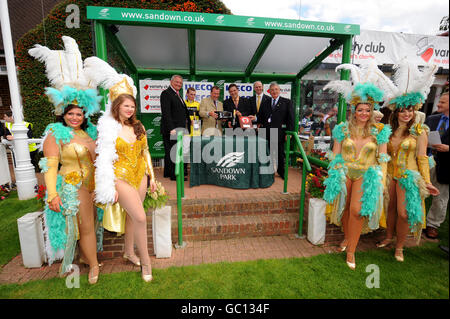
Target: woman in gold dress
(67, 144)
(68, 162)
(408, 171)
(356, 174)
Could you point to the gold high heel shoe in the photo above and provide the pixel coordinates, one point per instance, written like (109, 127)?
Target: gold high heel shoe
(343, 247)
(91, 278)
(351, 265)
(385, 243)
(146, 277)
(132, 259)
(86, 264)
(399, 254)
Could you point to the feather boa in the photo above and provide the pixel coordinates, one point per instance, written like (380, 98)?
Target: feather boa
(105, 180)
(383, 134)
(372, 198)
(413, 198)
(340, 131)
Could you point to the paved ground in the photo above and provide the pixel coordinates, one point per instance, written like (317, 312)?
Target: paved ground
(199, 252)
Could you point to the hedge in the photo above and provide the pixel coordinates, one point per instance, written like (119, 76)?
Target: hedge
(31, 73)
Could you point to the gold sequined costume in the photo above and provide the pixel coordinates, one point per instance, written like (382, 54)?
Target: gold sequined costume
(133, 163)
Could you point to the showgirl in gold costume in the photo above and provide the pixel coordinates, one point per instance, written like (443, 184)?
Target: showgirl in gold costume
(408, 171)
(357, 171)
(123, 163)
(69, 211)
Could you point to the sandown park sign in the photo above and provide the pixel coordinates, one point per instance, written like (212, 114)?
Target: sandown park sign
(217, 21)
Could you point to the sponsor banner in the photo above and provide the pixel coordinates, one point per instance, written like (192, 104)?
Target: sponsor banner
(391, 47)
(215, 20)
(245, 90)
(285, 90)
(202, 89)
(150, 91)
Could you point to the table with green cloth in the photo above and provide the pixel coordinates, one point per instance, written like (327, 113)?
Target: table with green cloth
(231, 161)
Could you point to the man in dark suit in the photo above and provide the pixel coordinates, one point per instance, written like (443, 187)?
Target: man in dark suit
(440, 173)
(174, 116)
(276, 113)
(256, 100)
(237, 105)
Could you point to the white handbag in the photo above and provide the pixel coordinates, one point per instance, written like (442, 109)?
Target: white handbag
(162, 232)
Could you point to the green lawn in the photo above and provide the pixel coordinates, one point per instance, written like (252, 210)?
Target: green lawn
(424, 274)
(10, 210)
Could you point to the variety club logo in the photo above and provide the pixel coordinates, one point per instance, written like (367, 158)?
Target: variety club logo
(425, 49)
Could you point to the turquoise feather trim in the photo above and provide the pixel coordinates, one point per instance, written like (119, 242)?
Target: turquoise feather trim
(87, 99)
(383, 135)
(55, 224)
(431, 162)
(335, 182)
(384, 158)
(413, 201)
(372, 197)
(43, 165)
(91, 130)
(366, 91)
(99, 229)
(340, 131)
(408, 99)
(61, 132)
(69, 197)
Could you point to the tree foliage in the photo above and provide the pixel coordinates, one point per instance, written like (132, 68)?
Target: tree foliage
(37, 109)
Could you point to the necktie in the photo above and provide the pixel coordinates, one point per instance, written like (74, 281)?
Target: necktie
(273, 104)
(258, 103)
(444, 124)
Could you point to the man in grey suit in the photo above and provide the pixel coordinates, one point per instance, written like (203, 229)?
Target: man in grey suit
(211, 126)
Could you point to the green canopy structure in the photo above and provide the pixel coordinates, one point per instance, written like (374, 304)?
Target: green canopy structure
(202, 46)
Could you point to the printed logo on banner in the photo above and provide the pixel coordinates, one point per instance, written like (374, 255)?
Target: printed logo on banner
(157, 121)
(158, 146)
(348, 28)
(250, 21)
(104, 13)
(202, 89)
(425, 49)
(231, 159)
(149, 132)
(219, 20)
(225, 170)
(150, 92)
(245, 90)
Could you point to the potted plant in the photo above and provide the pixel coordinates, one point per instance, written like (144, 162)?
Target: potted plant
(317, 206)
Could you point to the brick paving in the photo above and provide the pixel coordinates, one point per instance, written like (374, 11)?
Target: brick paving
(210, 251)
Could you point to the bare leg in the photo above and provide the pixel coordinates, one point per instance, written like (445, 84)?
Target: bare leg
(129, 230)
(130, 200)
(345, 215)
(391, 218)
(355, 221)
(402, 222)
(88, 239)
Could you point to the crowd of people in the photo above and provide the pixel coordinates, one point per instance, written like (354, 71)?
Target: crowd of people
(97, 177)
(256, 113)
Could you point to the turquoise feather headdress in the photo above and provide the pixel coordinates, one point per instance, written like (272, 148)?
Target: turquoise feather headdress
(64, 69)
(88, 99)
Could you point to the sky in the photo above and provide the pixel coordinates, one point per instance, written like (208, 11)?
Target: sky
(413, 16)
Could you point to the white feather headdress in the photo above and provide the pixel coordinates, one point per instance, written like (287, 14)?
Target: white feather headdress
(105, 76)
(367, 84)
(412, 85)
(64, 69)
